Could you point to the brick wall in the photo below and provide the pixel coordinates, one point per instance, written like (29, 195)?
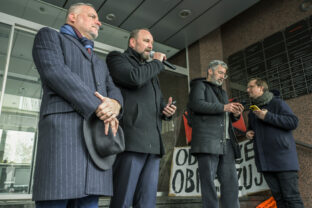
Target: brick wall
(256, 23)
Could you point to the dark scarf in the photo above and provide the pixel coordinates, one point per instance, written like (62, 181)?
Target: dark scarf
(263, 99)
(72, 31)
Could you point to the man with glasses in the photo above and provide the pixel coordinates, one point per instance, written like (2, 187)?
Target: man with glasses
(271, 128)
(213, 141)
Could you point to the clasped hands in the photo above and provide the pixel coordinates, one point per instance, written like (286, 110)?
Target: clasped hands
(235, 108)
(107, 111)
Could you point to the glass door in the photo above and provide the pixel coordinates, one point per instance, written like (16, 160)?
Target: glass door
(4, 43)
(19, 115)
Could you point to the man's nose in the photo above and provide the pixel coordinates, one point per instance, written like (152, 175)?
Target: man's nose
(98, 23)
(150, 46)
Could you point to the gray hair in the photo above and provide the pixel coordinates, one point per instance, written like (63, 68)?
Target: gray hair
(213, 65)
(134, 33)
(74, 7)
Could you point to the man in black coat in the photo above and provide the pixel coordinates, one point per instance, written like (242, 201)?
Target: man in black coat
(213, 141)
(136, 169)
(275, 148)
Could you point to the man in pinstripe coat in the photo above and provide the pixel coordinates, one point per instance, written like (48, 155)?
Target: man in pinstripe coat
(64, 174)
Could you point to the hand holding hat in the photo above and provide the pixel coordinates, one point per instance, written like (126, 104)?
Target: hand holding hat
(113, 124)
(103, 136)
(107, 111)
(108, 108)
(102, 147)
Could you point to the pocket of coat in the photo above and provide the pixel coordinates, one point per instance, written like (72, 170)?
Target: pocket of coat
(283, 143)
(57, 107)
(131, 114)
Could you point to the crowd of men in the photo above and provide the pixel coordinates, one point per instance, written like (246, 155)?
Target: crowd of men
(100, 124)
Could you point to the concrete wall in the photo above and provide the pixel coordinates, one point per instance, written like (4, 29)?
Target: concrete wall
(253, 25)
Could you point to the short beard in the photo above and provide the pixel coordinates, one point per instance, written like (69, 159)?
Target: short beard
(216, 82)
(144, 56)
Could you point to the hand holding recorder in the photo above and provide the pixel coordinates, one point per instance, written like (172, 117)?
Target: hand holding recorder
(254, 108)
(258, 112)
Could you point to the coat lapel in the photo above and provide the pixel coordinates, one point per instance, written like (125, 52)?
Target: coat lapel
(80, 46)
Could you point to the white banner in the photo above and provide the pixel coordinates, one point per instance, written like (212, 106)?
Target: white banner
(184, 177)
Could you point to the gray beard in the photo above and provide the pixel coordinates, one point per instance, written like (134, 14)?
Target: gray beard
(216, 82)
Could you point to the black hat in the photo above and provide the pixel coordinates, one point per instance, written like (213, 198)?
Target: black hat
(102, 148)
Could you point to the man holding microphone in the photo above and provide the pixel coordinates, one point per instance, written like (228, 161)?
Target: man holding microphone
(136, 169)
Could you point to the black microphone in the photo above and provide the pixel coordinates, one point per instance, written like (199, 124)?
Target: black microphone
(171, 66)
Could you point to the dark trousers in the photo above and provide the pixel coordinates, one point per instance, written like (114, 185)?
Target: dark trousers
(85, 202)
(223, 166)
(135, 180)
(284, 188)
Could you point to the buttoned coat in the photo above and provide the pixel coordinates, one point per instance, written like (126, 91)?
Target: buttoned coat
(69, 76)
(274, 144)
(143, 99)
(208, 119)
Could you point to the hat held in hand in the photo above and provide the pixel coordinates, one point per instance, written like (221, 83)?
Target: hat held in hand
(102, 148)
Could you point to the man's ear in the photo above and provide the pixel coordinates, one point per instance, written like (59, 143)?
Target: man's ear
(71, 17)
(210, 71)
(132, 42)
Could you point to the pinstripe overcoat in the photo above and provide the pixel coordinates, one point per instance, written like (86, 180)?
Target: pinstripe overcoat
(69, 76)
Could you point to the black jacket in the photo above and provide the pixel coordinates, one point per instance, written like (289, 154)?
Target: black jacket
(208, 120)
(143, 102)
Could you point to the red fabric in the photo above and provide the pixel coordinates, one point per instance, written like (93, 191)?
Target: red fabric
(240, 124)
(188, 130)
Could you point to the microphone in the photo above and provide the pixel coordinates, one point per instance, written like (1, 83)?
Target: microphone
(171, 66)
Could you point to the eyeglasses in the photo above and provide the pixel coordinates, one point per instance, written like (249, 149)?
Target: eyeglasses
(251, 86)
(224, 74)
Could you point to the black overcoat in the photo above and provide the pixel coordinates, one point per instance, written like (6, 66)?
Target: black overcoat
(143, 102)
(208, 119)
